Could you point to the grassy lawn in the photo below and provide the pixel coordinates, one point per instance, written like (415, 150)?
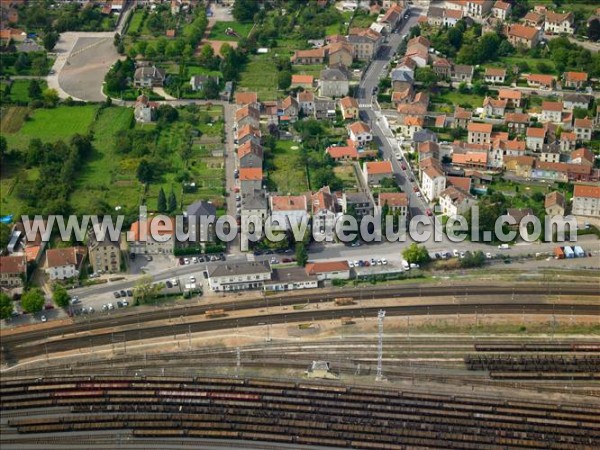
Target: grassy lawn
(217, 32)
(50, 125)
(314, 69)
(12, 175)
(260, 75)
(19, 90)
(456, 98)
(346, 174)
(107, 175)
(197, 70)
(531, 62)
(136, 22)
(288, 174)
(509, 188)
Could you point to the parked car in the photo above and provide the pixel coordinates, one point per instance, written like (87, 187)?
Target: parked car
(350, 264)
(123, 293)
(192, 279)
(44, 318)
(117, 294)
(125, 303)
(383, 261)
(181, 261)
(111, 306)
(75, 300)
(168, 284)
(186, 261)
(129, 293)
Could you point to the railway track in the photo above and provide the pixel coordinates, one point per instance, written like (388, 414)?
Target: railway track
(18, 349)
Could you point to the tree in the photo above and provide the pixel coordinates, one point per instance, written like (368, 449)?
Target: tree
(172, 205)
(210, 89)
(244, 10)
(593, 31)
(6, 306)
(416, 254)
(3, 149)
(580, 113)
(476, 259)
(145, 171)
(301, 254)
(284, 80)
(426, 76)
(50, 97)
(22, 62)
(33, 300)
(50, 40)
(544, 67)
(60, 296)
(34, 90)
(145, 290)
(167, 113)
(161, 203)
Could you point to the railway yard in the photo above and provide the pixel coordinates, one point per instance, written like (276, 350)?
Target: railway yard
(456, 373)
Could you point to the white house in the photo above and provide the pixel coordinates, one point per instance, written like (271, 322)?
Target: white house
(586, 200)
(454, 201)
(64, 263)
(360, 133)
(552, 112)
(288, 209)
(238, 276)
(559, 23)
(331, 270)
(583, 129)
(535, 138)
(433, 182)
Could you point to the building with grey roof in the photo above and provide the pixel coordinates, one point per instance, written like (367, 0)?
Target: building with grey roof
(239, 276)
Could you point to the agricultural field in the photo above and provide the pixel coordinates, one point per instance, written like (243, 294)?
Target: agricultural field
(50, 125)
(260, 75)
(289, 174)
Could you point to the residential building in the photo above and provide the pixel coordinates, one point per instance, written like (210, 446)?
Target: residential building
(365, 43)
(197, 82)
(13, 271)
(552, 111)
(517, 122)
(334, 82)
(575, 80)
(340, 53)
(303, 81)
(462, 73)
(64, 263)
(357, 202)
(583, 129)
(311, 56)
(586, 200)
(555, 204)
(149, 77)
(349, 107)
(495, 74)
(535, 138)
(513, 98)
(332, 270)
(200, 218)
(493, 107)
(360, 133)
(550, 153)
(411, 125)
(144, 110)
(251, 179)
(324, 109)
(343, 152)
(248, 133)
(401, 79)
(559, 23)
(567, 141)
(582, 156)
(538, 80)
(523, 36)
(572, 101)
(428, 149)
(391, 18)
(501, 10)
(250, 155)
(442, 68)
(306, 102)
(152, 236)
(472, 159)
(377, 171)
(287, 210)
(247, 115)
(238, 276)
(534, 19)
(479, 133)
(325, 211)
(104, 253)
(290, 279)
(288, 108)
(433, 182)
(462, 117)
(417, 49)
(454, 201)
(518, 214)
(247, 99)
(397, 203)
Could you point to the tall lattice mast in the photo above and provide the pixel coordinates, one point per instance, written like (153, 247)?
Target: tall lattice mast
(380, 318)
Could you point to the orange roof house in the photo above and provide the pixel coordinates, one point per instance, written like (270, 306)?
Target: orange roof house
(251, 174)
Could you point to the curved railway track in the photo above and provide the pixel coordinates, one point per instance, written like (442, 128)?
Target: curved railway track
(18, 349)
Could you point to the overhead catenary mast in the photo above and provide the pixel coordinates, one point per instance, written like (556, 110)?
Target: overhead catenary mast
(380, 318)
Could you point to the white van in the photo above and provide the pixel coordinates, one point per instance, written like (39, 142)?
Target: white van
(405, 265)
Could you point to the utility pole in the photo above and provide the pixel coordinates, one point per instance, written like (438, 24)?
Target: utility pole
(238, 361)
(380, 318)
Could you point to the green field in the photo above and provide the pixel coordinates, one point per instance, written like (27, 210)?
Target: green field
(19, 90)
(289, 174)
(531, 62)
(456, 98)
(217, 33)
(260, 75)
(137, 20)
(50, 125)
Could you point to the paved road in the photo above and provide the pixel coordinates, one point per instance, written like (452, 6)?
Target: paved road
(373, 115)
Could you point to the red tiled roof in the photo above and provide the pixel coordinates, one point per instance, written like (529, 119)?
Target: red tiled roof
(582, 190)
(479, 127)
(379, 167)
(359, 127)
(249, 147)
(552, 106)
(13, 264)
(251, 174)
(521, 31)
(302, 79)
(495, 72)
(245, 98)
(509, 94)
(546, 80)
(583, 123)
(393, 199)
(288, 203)
(536, 132)
(463, 183)
(576, 76)
(554, 198)
(324, 267)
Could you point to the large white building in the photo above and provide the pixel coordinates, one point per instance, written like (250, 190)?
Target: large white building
(239, 276)
(433, 182)
(586, 201)
(64, 263)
